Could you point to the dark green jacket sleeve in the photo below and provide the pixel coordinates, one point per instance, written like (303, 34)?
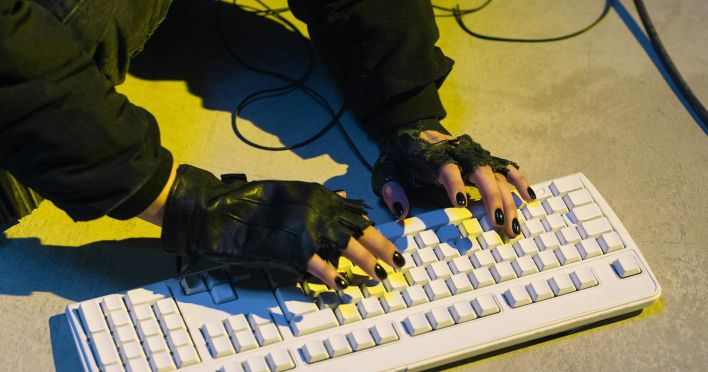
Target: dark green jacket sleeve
(64, 131)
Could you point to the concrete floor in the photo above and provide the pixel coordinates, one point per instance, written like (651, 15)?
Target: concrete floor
(595, 104)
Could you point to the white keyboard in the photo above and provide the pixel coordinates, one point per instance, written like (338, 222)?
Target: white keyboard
(465, 291)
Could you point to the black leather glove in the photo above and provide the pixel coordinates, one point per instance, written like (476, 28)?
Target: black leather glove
(413, 162)
(272, 224)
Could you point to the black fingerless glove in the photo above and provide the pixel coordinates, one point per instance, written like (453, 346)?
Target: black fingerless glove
(272, 224)
(414, 162)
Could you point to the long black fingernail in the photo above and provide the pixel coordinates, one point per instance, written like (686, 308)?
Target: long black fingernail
(532, 194)
(380, 272)
(398, 209)
(515, 226)
(499, 216)
(398, 259)
(341, 284)
(461, 201)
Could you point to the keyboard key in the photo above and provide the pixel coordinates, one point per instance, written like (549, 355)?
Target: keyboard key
(504, 253)
(236, 323)
(542, 192)
(178, 338)
(314, 351)
(489, 239)
(112, 303)
(564, 185)
(427, 238)
(424, 256)
(347, 313)
(524, 266)
(267, 334)
(568, 235)
(171, 322)
(313, 289)
(610, 242)
(351, 295)
(554, 205)
(370, 307)
(517, 297)
(583, 278)
(539, 290)
(410, 262)
(594, 228)
(103, 348)
(547, 241)
(439, 318)
(155, 344)
(234, 366)
(626, 266)
(244, 340)
(459, 283)
(256, 364)
(383, 333)
(280, 360)
(255, 320)
(567, 254)
(165, 306)
(485, 305)
(138, 365)
(192, 284)
(293, 301)
(417, 275)
(462, 311)
(131, 350)
(532, 228)
(583, 213)
(437, 289)
(213, 329)
(482, 259)
(360, 339)
(448, 233)
(395, 282)
(561, 284)
(222, 293)
(471, 228)
(525, 247)
(186, 355)
(461, 264)
(546, 260)
(215, 277)
(392, 301)
(237, 274)
(125, 334)
(467, 246)
(577, 198)
(589, 248)
(503, 272)
(162, 361)
(140, 296)
(373, 288)
(406, 244)
(417, 324)
(532, 211)
(148, 327)
(439, 270)
(92, 317)
(141, 312)
(337, 345)
(313, 322)
(553, 222)
(481, 277)
(118, 318)
(445, 252)
(414, 295)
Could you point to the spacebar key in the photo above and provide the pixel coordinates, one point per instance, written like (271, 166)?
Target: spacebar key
(312, 322)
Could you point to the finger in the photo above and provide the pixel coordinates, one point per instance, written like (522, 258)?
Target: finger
(361, 257)
(395, 198)
(381, 247)
(451, 179)
(512, 226)
(521, 183)
(486, 183)
(325, 272)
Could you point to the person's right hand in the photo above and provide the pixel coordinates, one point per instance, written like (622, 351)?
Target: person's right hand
(296, 226)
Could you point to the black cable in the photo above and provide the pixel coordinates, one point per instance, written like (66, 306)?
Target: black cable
(459, 15)
(449, 12)
(658, 46)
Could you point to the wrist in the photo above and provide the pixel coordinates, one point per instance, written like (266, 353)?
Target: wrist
(155, 212)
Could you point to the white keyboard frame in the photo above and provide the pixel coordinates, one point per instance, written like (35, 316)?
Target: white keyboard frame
(612, 297)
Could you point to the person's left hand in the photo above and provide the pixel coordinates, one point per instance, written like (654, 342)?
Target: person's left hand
(414, 158)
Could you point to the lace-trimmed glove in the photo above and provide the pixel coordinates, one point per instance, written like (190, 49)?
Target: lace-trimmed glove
(414, 162)
(272, 224)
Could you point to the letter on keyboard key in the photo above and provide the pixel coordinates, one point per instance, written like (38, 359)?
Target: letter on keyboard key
(610, 242)
(539, 290)
(439, 318)
(256, 364)
(244, 340)
(561, 284)
(360, 339)
(517, 296)
(104, 349)
(414, 295)
(481, 277)
(462, 311)
(383, 333)
(186, 355)
(626, 266)
(417, 324)
(485, 305)
(314, 351)
(337, 345)
(92, 317)
(312, 322)
(267, 334)
(594, 228)
(583, 278)
(370, 307)
(162, 361)
(280, 360)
